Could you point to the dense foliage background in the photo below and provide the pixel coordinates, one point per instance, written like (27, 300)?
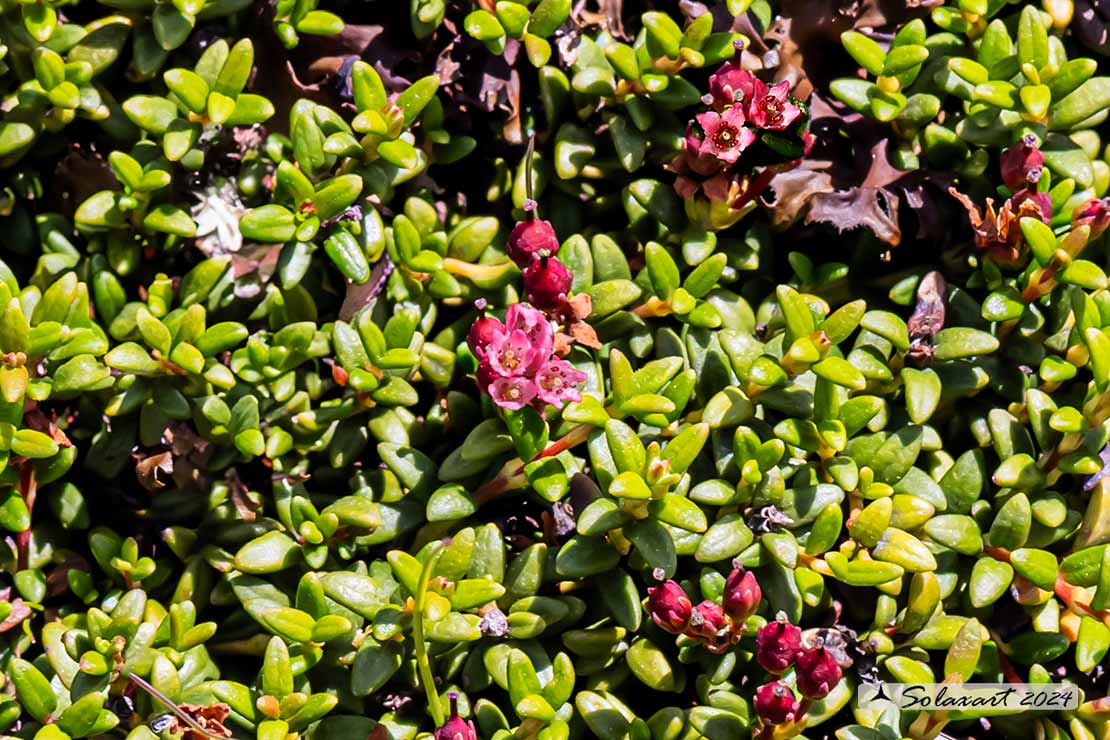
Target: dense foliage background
(551, 369)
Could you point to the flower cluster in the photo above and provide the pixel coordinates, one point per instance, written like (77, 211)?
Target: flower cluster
(716, 626)
(517, 366)
(742, 109)
(778, 647)
(999, 232)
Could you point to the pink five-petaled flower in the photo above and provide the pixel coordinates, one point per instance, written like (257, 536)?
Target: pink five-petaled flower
(777, 645)
(776, 704)
(531, 238)
(456, 728)
(817, 673)
(741, 596)
(535, 324)
(512, 393)
(670, 607)
(546, 282)
(725, 134)
(557, 383)
(511, 353)
(770, 107)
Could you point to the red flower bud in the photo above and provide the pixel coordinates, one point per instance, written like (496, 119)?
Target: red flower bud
(1022, 163)
(546, 282)
(707, 621)
(731, 83)
(742, 595)
(817, 673)
(483, 331)
(456, 728)
(777, 644)
(670, 607)
(532, 238)
(775, 703)
(1095, 215)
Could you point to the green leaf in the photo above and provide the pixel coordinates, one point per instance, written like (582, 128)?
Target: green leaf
(867, 53)
(989, 580)
(1039, 566)
(15, 137)
(663, 34)
(171, 26)
(270, 553)
(1032, 38)
(345, 251)
(414, 98)
(923, 389)
(170, 219)
(963, 655)
(268, 223)
(32, 688)
(650, 665)
(101, 211)
(547, 16)
(151, 113)
(1080, 104)
(236, 69)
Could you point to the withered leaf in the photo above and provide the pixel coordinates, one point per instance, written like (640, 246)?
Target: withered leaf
(210, 717)
(155, 471)
(19, 611)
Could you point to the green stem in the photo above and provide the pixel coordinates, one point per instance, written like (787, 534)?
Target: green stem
(422, 662)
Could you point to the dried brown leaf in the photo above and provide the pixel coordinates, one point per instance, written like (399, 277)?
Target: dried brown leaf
(210, 717)
(155, 471)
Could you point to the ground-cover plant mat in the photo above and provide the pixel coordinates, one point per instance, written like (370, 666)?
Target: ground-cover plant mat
(380, 370)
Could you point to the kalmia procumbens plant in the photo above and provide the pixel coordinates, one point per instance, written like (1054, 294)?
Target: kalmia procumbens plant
(330, 409)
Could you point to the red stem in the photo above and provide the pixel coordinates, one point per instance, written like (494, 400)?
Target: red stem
(499, 485)
(27, 489)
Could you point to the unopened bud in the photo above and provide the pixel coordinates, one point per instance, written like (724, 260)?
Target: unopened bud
(776, 704)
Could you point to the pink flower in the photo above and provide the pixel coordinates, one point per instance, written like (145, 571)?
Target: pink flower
(731, 83)
(531, 238)
(456, 728)
(707, 620)
(1094, 214)
(512, 393)
(1022, 163)
(557, 383)
(535, 324)
(511, 353)
(546, 282)
(775, 703)
(670, 607)
(777, 645)
(742, 595)
(693, 159)
(725, 134)
(770, 108)
(817, 673)
(483, 331)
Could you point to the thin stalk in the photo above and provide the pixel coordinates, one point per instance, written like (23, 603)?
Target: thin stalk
(528, 168)
(423, 664)
(510, 475)
(172, 706)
